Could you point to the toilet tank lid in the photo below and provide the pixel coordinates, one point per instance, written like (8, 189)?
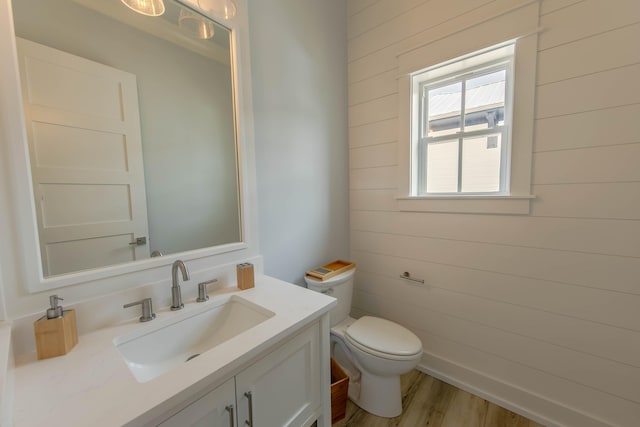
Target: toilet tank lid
(384, 336)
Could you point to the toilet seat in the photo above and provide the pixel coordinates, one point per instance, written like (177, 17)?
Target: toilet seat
(383, 338)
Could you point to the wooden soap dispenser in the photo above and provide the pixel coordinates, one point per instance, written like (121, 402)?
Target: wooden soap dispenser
(245, 276)
(56, 332)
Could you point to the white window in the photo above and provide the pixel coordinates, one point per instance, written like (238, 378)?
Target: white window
(466, 120)
(461, 135)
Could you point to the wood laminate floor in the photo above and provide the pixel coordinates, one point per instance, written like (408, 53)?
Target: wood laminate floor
(428, 401)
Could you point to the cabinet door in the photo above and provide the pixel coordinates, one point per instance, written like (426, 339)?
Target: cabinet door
(284, 386)
(215, 409)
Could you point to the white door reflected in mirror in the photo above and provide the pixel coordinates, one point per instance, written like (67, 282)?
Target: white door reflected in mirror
(83, 131)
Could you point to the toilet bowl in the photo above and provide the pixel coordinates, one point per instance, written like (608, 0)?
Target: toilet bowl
(373, 351)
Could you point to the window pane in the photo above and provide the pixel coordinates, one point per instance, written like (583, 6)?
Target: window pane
(442, 167)
(444, 109)
(481, 164)
(484, 101)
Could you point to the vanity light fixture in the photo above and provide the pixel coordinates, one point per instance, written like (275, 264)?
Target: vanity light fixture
(225, 9)
(146, 7)
(195, 26)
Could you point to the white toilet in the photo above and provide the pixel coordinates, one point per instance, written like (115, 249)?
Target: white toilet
(374, 352)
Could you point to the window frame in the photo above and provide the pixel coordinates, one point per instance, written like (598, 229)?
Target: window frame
(438, 51)
(421, 138)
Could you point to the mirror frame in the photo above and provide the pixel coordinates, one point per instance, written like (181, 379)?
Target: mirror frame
(17, 171)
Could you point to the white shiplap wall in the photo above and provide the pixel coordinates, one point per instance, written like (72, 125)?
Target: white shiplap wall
(539, 312)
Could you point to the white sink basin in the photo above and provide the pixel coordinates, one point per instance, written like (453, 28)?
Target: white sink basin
(156, 349)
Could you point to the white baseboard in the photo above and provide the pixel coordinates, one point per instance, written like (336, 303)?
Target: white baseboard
(508, 396)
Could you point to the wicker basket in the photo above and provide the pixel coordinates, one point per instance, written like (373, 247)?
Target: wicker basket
(339, 389)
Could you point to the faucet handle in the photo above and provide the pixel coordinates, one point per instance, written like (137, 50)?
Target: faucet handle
(202, 290)
(147, 309)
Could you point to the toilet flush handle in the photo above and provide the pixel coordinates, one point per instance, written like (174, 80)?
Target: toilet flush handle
(327, 291)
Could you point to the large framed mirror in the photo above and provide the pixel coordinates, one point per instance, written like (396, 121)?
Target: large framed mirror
(131, 124)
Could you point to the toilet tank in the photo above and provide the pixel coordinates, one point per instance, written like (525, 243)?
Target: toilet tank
(339, 287)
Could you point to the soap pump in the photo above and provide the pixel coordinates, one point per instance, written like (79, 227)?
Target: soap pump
(56, 310)
(56, 332)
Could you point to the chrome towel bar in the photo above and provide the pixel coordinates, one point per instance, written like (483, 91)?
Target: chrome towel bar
(406, 275)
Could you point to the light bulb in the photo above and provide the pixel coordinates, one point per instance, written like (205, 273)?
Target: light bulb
(146, 7)
(194, 25)
(225, 9)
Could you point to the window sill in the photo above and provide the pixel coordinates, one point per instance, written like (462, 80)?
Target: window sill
(500, 205)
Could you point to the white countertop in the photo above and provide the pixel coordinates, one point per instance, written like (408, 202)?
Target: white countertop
(92, 385)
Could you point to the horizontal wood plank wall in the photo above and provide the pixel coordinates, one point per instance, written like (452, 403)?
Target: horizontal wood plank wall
(540, 312)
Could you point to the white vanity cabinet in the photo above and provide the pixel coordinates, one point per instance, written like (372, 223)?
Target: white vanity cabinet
(215, 409)
(282, 388)
(283, 362)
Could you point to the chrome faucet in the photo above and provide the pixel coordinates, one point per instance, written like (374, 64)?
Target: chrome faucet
(176, 295)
